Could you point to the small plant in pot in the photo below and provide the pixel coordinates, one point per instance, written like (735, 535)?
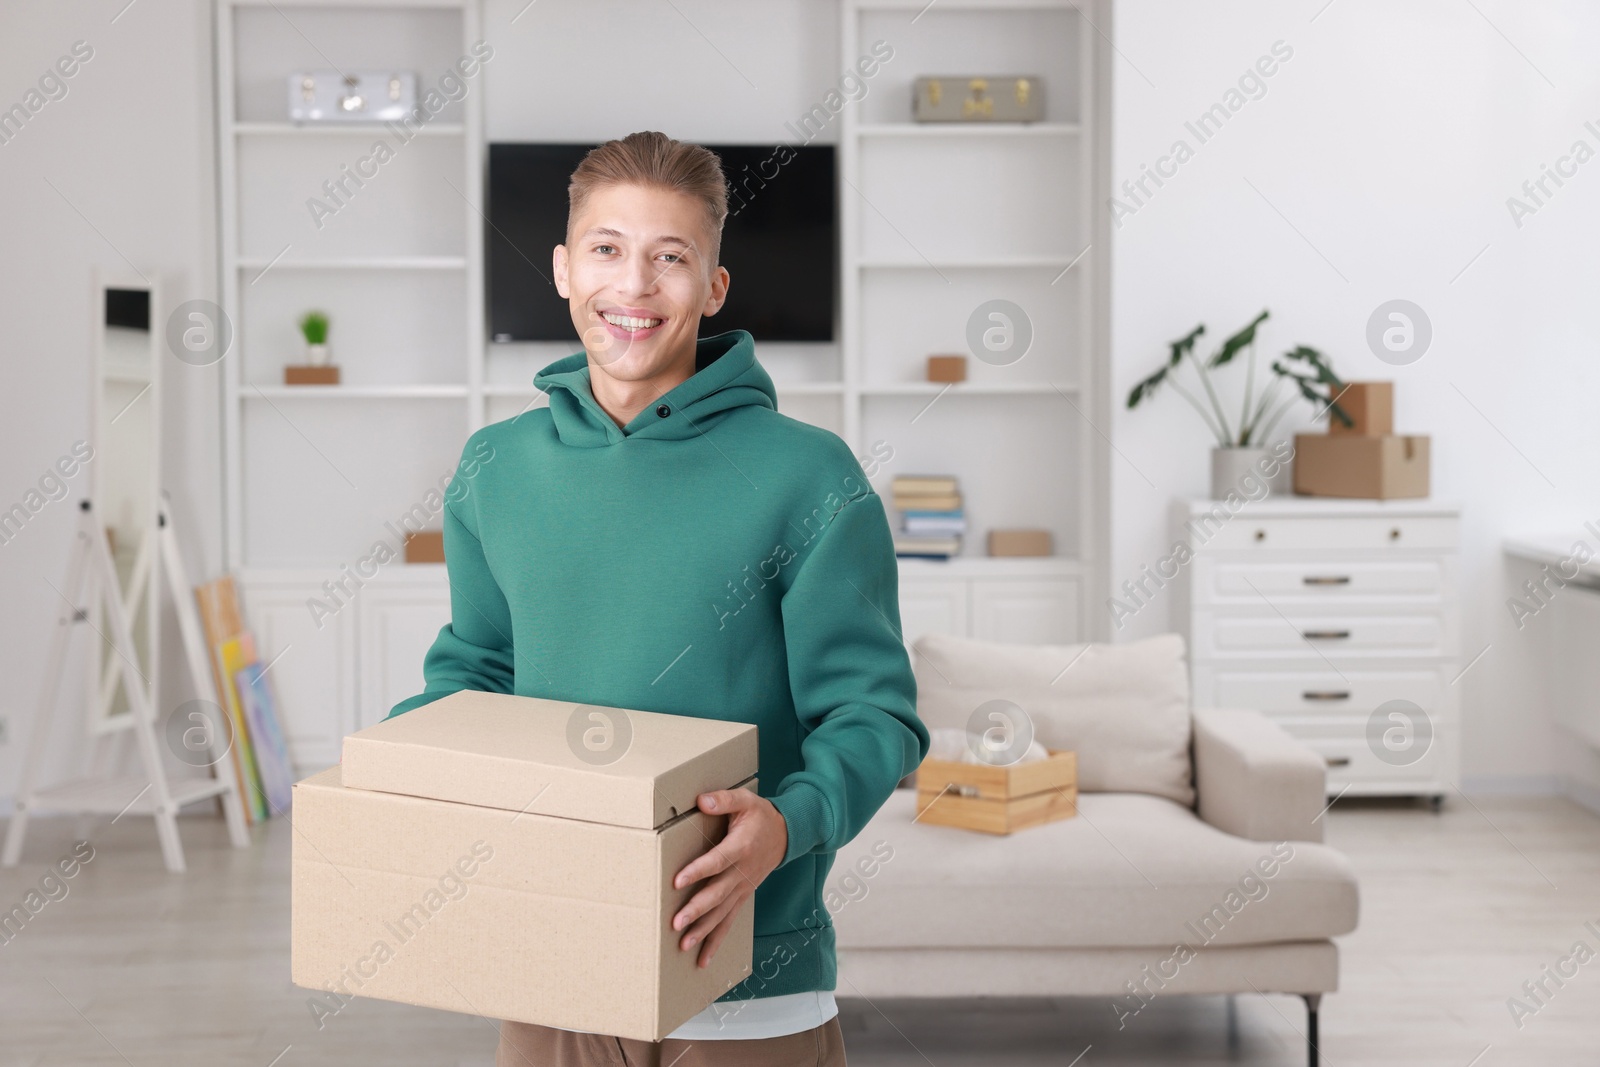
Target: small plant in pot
(314, 327)
(1303, 370)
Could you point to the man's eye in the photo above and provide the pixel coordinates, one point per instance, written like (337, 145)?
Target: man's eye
(673, 256)
(603, 249)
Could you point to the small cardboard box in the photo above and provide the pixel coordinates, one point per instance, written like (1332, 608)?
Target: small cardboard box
(310, 374)
(1370, 406)
(995, 799)
(1372, 468)
(947, 368)
(513, 857)
(425, 546)
(1020, 543)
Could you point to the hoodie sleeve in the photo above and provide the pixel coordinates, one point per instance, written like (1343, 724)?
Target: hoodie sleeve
(851, 678)
(473, 650)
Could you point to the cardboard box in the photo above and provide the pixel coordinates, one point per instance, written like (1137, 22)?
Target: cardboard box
(513, 857)
(1020, 543)
(947, 368)
(1370, 406)
(994, 799)
(425, 546)
(1348, 465)
(310, 374)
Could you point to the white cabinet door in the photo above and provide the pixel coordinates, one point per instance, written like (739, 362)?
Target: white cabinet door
(398, 626)
(936, 606)
(312, 658)
(1033, 611)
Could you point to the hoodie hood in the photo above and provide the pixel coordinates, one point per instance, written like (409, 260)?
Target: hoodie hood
(726, 376)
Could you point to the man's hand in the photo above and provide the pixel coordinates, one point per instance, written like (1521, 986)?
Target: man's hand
(755, 844)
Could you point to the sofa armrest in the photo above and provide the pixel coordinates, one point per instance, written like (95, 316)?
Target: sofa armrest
(1253, 780)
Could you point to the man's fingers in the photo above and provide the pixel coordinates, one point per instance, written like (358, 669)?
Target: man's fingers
(713, 861)
(722, 801)
(725, 853)
(714, 941)
(708, 897)
(707, 922)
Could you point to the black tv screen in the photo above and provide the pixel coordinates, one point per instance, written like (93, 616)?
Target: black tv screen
(779, 243)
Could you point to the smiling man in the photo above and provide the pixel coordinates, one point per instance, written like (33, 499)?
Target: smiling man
(660, 537)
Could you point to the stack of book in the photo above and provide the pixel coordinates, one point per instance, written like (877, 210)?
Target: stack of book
(931, 516)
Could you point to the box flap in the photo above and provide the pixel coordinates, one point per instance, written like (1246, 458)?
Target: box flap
(551, 757)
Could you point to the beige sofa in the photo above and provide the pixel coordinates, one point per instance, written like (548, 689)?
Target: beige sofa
(1194, 865)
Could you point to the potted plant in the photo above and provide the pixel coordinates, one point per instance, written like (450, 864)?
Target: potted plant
(314, 326)
(1239, 450)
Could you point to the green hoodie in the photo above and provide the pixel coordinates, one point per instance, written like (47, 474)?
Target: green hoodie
(711, 558)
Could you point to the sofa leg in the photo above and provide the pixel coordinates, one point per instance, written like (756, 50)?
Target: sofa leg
(1233, 1022)
(1313, 1000)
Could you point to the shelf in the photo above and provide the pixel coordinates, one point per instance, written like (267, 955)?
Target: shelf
(793, 388)
(969, 129)
(975, 388)
(454, 5)
(353, 392)
(114, 796)
(358, 263)
(323, 129)
(989, 263)
(810, 388)
(966, 5)
(991, 567)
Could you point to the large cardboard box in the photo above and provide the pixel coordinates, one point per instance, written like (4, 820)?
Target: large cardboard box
(1350, 465)
(513, 857)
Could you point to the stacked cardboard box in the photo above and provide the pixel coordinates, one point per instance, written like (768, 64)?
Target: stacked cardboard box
(1365, 459)
(513, 857)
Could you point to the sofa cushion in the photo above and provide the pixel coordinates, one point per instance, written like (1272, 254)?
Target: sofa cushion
(1128, 870)
(1124, 708)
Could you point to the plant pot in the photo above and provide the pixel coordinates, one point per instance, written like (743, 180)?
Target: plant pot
(1239, 470)
(317, 355)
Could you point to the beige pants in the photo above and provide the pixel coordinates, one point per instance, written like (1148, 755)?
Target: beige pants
(528, 1045)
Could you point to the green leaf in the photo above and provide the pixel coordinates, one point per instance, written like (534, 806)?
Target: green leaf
(1232, 345)
(1147, 387)
(1306, 383)
(1184, 344)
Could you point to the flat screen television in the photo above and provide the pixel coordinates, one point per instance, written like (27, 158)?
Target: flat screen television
(779, 243)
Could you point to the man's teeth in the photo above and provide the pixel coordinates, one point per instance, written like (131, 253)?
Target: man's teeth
(630, 323)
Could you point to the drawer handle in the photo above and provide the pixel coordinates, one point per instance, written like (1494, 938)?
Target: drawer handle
(1394, 533)
(1338, 761)
(1327, 579)
(1325, 694)
(1325, 635)
(1261, 535)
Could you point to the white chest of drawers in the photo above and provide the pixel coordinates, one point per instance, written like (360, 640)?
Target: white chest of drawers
(1337, 618)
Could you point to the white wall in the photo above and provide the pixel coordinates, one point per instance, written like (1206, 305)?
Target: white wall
(121, 166)
(1390, 140)
(1384, 151)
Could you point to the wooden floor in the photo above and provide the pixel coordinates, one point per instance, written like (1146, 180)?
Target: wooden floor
(1458, 910)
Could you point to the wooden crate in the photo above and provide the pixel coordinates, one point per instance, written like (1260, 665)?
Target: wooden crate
(998, 800)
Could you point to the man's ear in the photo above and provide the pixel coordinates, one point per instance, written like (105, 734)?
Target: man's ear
(719, 291)
(558, 264)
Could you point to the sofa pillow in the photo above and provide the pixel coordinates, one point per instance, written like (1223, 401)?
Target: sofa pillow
(1124, 708)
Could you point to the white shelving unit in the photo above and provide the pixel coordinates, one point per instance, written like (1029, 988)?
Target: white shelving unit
(380, 274)
(938, 218)
(315, 474)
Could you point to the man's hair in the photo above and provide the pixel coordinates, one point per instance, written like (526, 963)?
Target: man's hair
(655, 160)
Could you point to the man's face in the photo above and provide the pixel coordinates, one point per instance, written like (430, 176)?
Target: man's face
(637, 277)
